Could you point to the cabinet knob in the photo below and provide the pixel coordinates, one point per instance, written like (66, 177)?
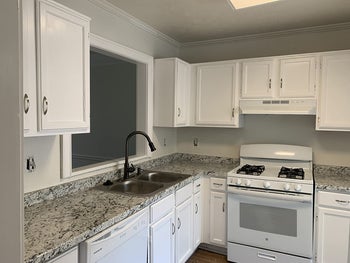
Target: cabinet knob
(269, 83)
(196, 212)
(45, 105)
(178, 223)
(223, 207)
(281, 83)
(178, 112)
(173, 226)
(233, 112)
(26, 103)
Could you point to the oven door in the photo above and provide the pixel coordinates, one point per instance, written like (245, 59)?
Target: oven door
(270, 220)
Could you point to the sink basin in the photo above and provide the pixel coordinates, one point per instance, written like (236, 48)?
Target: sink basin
(136, 187)
(161, 177)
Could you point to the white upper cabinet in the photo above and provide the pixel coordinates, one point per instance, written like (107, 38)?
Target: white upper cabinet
(257, 78)
(217, 95)
(56, 64)
(333, 99)
(279, 77)
(63, 68)
(297, 77)
(171, 92)
(29, 68)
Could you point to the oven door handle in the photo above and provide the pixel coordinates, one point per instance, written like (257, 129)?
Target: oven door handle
(301, 198)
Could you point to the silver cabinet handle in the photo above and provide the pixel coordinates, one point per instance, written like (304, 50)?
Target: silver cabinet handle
(269, 83)
(266, 256)
(342, 202)
(45, 105)
(178, 112)
(223, 207)
(217, 184)
(196, 210)
(173, 227)
(26, 103)
(281, 83)
(178, 223)
(233, 112)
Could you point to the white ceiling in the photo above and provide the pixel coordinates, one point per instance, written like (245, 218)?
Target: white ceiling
(199, 20)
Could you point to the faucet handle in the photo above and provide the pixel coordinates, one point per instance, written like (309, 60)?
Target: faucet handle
(131, 168)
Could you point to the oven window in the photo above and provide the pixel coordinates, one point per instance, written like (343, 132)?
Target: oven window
(269, 219)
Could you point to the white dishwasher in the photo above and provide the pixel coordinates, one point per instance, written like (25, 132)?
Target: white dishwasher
(125, 242)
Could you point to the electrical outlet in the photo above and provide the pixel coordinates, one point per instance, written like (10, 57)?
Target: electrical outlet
(195, 142)
(30, 164)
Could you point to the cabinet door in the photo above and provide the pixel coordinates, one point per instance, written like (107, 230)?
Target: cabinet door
(218, 218)
(197, 220)
(297, 77)
(29, 68)
(182, 93)
(333, 235)
(63, 65)
(184, 231)
(216, 95)
(162, 240)
(257, 79)
(333, 101)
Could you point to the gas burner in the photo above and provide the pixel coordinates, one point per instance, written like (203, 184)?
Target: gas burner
(291, 173)
(251, 169)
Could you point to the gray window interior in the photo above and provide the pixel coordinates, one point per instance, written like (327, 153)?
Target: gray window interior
(112, 112)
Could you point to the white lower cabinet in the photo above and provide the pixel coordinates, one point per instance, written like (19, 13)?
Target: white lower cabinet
(171, 227)
(333, 228)
(70, 256)
(162, 239)
(217, 226)
(218, 218)
(184, 229)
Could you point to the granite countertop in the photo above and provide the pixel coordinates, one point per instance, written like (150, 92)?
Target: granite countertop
(332, 178)
(54, 226)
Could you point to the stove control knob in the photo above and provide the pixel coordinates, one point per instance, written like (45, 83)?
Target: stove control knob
(287, 187)
(238, 182)
(297, 187)
(248, 182)
(267, 185)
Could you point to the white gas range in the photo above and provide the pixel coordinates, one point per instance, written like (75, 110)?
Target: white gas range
(270, 205)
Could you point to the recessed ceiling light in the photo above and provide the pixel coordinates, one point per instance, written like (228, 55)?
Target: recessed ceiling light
(238, 4)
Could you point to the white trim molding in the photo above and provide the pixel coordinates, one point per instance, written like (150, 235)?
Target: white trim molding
(114, 10)
(283, 33)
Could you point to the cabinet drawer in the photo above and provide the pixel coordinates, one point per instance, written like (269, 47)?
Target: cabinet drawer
(197, 185)
(183, 194)
(335, 200)
(218, 184)
(162, 208)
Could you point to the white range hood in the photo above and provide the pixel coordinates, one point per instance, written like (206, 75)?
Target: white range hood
(278, 106)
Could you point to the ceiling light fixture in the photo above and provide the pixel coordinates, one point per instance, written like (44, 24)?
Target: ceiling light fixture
(239, 4)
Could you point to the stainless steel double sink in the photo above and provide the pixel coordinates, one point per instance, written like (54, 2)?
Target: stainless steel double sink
(148, 182)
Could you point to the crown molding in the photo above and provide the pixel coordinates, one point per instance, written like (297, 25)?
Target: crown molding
(315, 29)
(116, 11)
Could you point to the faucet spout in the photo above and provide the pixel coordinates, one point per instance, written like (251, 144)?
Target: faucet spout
(127, 168)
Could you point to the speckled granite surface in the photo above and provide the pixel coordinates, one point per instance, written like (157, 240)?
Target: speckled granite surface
(63, 221)
(332, 178)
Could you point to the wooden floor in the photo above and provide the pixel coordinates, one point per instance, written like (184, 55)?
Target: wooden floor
(203, 256)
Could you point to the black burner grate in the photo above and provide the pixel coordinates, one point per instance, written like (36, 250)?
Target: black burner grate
(251, 169)
(291, 173)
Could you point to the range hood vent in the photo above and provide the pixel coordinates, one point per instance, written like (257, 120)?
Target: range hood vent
(279, 106)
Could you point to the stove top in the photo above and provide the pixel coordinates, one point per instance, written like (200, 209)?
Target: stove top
(274, 167)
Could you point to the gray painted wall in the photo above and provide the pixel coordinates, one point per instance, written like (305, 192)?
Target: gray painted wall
(11, 187)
